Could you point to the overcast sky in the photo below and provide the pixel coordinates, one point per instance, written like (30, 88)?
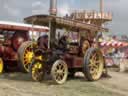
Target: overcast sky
(16, 10)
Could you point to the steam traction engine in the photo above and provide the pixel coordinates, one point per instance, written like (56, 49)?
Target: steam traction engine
(16, 46)
(65, 58)
(73, 56)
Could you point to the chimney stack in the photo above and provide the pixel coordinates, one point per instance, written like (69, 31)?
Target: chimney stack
(101, 6)
(53, 7)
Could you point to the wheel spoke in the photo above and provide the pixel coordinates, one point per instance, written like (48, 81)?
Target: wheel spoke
(62, 74)
(60, 66)
(55, 71)
(97, 62)
(63, 71)
(58, 77)
(92, 71)
(93, 68)
(26, 66)
(91, 62)
(57, 67)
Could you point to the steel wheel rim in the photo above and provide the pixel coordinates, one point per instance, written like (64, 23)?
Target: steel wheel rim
(96, 65)
(60, 72)
(27, 57)
(37, 72)
(1, 65)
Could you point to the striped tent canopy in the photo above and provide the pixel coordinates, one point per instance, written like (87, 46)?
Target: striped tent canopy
(113, 43)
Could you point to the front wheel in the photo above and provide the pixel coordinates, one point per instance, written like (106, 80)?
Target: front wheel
(59, 71)
(37, 70)
(93, 64)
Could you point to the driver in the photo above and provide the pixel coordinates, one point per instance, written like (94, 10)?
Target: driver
(63, 42)
(43, 42)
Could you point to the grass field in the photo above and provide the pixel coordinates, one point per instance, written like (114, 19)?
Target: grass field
(18, 84)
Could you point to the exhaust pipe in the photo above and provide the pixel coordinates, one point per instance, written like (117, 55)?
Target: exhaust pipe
(53, 7)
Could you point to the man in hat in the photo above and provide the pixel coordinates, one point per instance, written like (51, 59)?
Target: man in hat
(43, 42)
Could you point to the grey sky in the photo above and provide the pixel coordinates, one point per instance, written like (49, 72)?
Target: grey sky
(16, 10)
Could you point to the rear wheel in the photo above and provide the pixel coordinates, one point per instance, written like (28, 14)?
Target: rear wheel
(1, 66)
(59, 71)
(25, 53)
(93, 64)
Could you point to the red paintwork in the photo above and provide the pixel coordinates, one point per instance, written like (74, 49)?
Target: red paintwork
(73, 61)
(10, 46)
(18, 38)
